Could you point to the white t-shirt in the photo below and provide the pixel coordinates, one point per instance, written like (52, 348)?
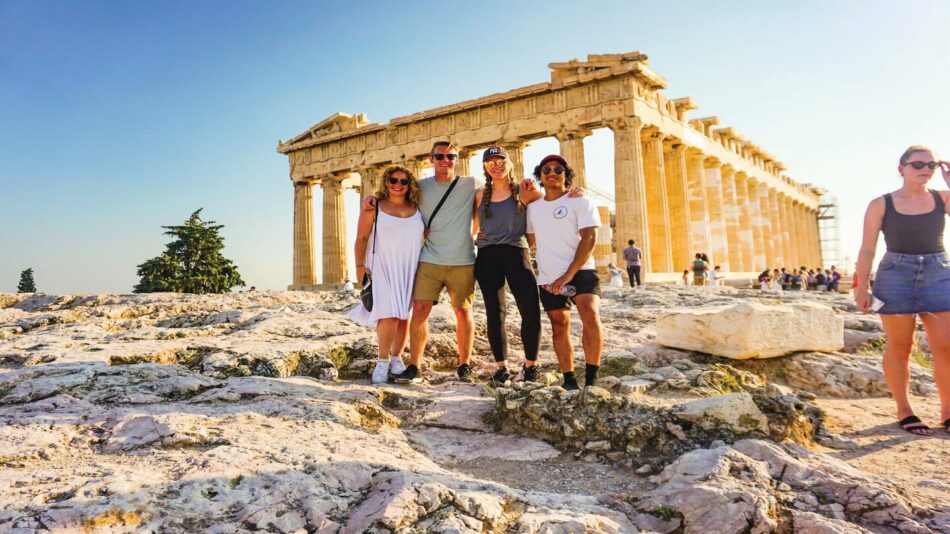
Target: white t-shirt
(714, 277)
(556, 226)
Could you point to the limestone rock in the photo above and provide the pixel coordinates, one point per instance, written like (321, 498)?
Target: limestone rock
(736, 411)
(752, 330)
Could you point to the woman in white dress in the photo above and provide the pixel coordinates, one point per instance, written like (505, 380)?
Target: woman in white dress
(397, 238)
(616, 276)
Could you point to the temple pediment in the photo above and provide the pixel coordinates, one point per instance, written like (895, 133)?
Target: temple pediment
(332, 125)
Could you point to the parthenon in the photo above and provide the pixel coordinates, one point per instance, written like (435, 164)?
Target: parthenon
(681, 185)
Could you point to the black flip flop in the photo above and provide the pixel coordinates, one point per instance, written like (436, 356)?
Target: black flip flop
(946, 425)
(913, 425)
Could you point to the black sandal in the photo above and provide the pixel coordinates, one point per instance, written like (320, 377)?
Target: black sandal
(913, 425)
(946, 425)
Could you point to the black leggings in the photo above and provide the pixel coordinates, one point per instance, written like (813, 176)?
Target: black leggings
(493, 265)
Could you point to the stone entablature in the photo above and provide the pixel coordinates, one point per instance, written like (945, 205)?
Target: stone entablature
(617, 91)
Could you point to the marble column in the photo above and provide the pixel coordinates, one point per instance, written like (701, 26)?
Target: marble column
(700, 240)
(778, 234)
(759, 236)
(414, 165)
(765, 210)
(661, 252)
(304, 276)
(816, 240)
(334, 231)
(788, 233)
(630, 187)
(516, 157)
(462, 166)
(746, 234)
(718, 250)
(730, 215)
(369, 180)
(572, 149)
(677, 193)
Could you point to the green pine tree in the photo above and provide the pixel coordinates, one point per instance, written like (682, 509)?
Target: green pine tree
(26, 285)
(191, 263)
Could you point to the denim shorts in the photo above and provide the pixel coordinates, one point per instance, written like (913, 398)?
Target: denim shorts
(913, 283)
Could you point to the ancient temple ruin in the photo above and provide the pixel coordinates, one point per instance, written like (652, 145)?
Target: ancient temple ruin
(682, 185)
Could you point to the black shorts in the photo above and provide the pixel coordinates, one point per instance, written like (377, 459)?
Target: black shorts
(586, 282)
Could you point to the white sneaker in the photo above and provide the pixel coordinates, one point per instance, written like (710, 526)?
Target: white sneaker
(381, 372)
(396, 366)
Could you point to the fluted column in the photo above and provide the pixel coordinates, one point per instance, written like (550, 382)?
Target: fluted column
(816, 231)
(334, 231)
(304, 274)
(765, 215)
(676, 181)
(572, 149)
(369, 180)
(630, 190)
(758, 234)
(698, 208)
(462, 166)
(730, 214)
(660, 252)
(745, 232)
(778, 234)
(414, 165)
(719, 247)
(788, 234)
(516, 157)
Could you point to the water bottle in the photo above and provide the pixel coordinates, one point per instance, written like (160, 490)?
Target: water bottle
(567, 290)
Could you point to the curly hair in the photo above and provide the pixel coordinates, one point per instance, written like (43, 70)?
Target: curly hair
(489, 187)
(568, 175)
(412, 197)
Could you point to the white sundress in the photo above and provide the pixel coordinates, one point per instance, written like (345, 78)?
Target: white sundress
(393, 267)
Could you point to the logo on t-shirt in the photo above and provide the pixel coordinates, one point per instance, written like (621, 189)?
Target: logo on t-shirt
(560, 212)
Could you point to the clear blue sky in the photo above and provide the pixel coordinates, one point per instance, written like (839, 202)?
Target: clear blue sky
(119, 117)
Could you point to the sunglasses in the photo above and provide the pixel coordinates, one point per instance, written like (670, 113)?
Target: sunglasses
(556, 170)
(401, 181)
(440, 157)
(921, 164)
(496, 163)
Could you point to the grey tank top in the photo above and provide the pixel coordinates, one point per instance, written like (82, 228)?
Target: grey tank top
(504, 227)
(914, 234)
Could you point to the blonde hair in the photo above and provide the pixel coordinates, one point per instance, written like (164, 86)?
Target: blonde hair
(412, 197)
(913, 149)
(489, 186)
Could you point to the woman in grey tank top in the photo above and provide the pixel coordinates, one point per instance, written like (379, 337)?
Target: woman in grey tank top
(912, 279)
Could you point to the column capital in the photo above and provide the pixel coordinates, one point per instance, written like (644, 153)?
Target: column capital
(567, 134)
(652, 134)
(624, 123)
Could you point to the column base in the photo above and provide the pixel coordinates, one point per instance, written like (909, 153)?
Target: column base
(315, 287)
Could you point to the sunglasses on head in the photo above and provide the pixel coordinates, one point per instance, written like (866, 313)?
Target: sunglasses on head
(556, 170)
(401, 181)
(440, 157)
(921, 164)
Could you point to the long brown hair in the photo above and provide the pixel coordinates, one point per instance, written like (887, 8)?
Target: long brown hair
(489, 186)
(412, 197)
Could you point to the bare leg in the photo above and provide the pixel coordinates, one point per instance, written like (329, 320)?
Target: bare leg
(561, 328)
(937, 326)
(592, 335)
(385, 332)
(464, 333)
(899, 330)
(400, 339)
(419, 330)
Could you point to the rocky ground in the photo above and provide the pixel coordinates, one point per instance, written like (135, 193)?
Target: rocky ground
(253, 412)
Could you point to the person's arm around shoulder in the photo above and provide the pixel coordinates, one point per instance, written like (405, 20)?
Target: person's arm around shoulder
(364, 228)
(368, 203)
(873, 219)
(528, 191)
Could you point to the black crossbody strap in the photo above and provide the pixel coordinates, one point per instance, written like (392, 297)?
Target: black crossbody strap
(375, 231)
(439, 205)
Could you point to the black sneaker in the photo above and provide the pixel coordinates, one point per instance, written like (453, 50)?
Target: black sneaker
(409, 376)
(500, 378)
(570, 383)
(464, 372)
(530, 374)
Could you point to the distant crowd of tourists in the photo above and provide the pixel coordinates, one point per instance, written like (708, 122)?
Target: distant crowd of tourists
(416, 238)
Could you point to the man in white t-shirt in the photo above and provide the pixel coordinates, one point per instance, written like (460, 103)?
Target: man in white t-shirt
(565, 231)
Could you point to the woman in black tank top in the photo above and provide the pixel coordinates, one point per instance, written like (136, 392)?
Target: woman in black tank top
(912, 279)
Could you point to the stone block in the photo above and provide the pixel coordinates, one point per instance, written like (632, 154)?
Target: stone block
(752, 330)
(735, 411)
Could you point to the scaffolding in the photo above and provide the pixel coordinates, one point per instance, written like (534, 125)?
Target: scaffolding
(828, 233)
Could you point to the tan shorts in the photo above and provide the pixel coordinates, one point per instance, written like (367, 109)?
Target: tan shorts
(458, 280)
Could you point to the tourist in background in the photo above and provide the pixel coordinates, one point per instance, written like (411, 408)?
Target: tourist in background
(387, 249)
(632, 256)
(775, 283)
(503, 257)
(700, 270)
(685, 277)
(715, 277)
(834, 279)
(614, 276)
(913, 278)
(564, 230)
(795, 280)
(764, 278)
